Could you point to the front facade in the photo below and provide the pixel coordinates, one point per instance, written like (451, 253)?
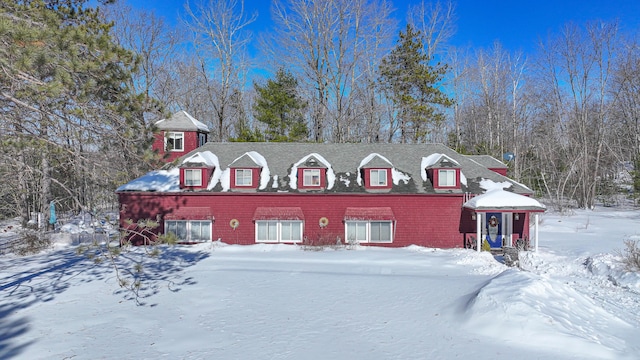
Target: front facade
(375, 194)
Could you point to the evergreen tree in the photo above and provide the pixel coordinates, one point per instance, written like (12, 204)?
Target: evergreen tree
(70, 125)
(279, 106)
(413, 85)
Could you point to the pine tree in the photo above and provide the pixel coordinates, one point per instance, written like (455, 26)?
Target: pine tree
(280, 107)
(413, 85)
(69, 122)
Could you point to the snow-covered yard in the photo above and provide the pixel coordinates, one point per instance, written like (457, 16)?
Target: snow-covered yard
(215, 301)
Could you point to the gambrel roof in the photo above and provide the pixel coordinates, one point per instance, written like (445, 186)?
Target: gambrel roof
(345, 161)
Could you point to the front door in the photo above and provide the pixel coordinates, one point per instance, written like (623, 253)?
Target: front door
(493, 226)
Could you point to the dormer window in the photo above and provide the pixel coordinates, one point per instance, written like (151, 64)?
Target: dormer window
(244, 177)
(447, 178)
(311, 177)
(193, 177)
(174, 141)
(378, 177)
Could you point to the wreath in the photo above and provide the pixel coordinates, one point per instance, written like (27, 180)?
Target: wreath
(234, 223)
(323, 222)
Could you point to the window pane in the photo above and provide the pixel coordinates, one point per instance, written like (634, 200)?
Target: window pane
(243, 177)
(205, 229)
(175, 141)
(362, 231)
(178, 228)
(381, 231)
(262, 230)
(446, 178)
(296, 231)
(193, 177)
(273, 231)
(378, 177)
(351, 231)
(286, 231)
(311, 177)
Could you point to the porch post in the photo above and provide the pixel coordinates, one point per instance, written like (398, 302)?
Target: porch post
(478, 231)
(535, 230)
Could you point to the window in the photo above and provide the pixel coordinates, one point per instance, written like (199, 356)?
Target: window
(311, 177)
(446, 178)
(244, 177)
(193, 177)
(174, 141)
(278, 231)
(378, 177)
(369, 232)
(189, 231)
(202, 139)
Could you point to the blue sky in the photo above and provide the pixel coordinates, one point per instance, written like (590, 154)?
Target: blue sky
(517, 24)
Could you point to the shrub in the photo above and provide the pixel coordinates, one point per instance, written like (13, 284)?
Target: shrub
(631, 255)
(31, 242)
(322, 241)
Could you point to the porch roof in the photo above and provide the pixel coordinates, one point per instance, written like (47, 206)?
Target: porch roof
(278, 213)
(499, 199)
(368, 213)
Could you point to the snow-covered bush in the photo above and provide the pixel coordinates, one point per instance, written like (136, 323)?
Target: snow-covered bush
(322, 241)
(630, 256)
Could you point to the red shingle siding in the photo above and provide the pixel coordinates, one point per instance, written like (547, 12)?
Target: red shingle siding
(190, 143)
(427, 220)
(501, 171)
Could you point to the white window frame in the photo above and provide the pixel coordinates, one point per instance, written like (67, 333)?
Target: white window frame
(173, 136)
(277, 228)
(244, 177)
(369, 227)
(189, 228)
(192, 177)
(311, 174)
(449, 178)
(377, 181)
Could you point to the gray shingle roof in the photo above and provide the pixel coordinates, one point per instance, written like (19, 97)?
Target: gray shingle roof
(345, 159)
(181, 121)
(488, 161)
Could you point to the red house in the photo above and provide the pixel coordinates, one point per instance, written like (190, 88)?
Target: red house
(178, 135)
(378, 194)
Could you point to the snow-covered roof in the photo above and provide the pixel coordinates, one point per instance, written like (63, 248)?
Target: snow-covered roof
(159, 180)
(203, 157)
(435, 159)
(344, 162)
(181, 121)
(498, 199)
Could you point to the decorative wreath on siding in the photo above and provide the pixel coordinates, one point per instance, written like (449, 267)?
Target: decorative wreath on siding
(323, 222)
(234, 223)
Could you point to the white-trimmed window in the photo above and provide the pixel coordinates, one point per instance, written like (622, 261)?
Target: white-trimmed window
(189, 230)
(369, 231)
(174, 141)
(446, 178)
(244, 177)
(378, 177)
(289, 231)
(311, 177)
(193, 177)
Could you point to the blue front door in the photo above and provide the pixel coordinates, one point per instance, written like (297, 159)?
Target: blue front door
(493, 225)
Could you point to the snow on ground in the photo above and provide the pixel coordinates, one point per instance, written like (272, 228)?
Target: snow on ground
(571, 300)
